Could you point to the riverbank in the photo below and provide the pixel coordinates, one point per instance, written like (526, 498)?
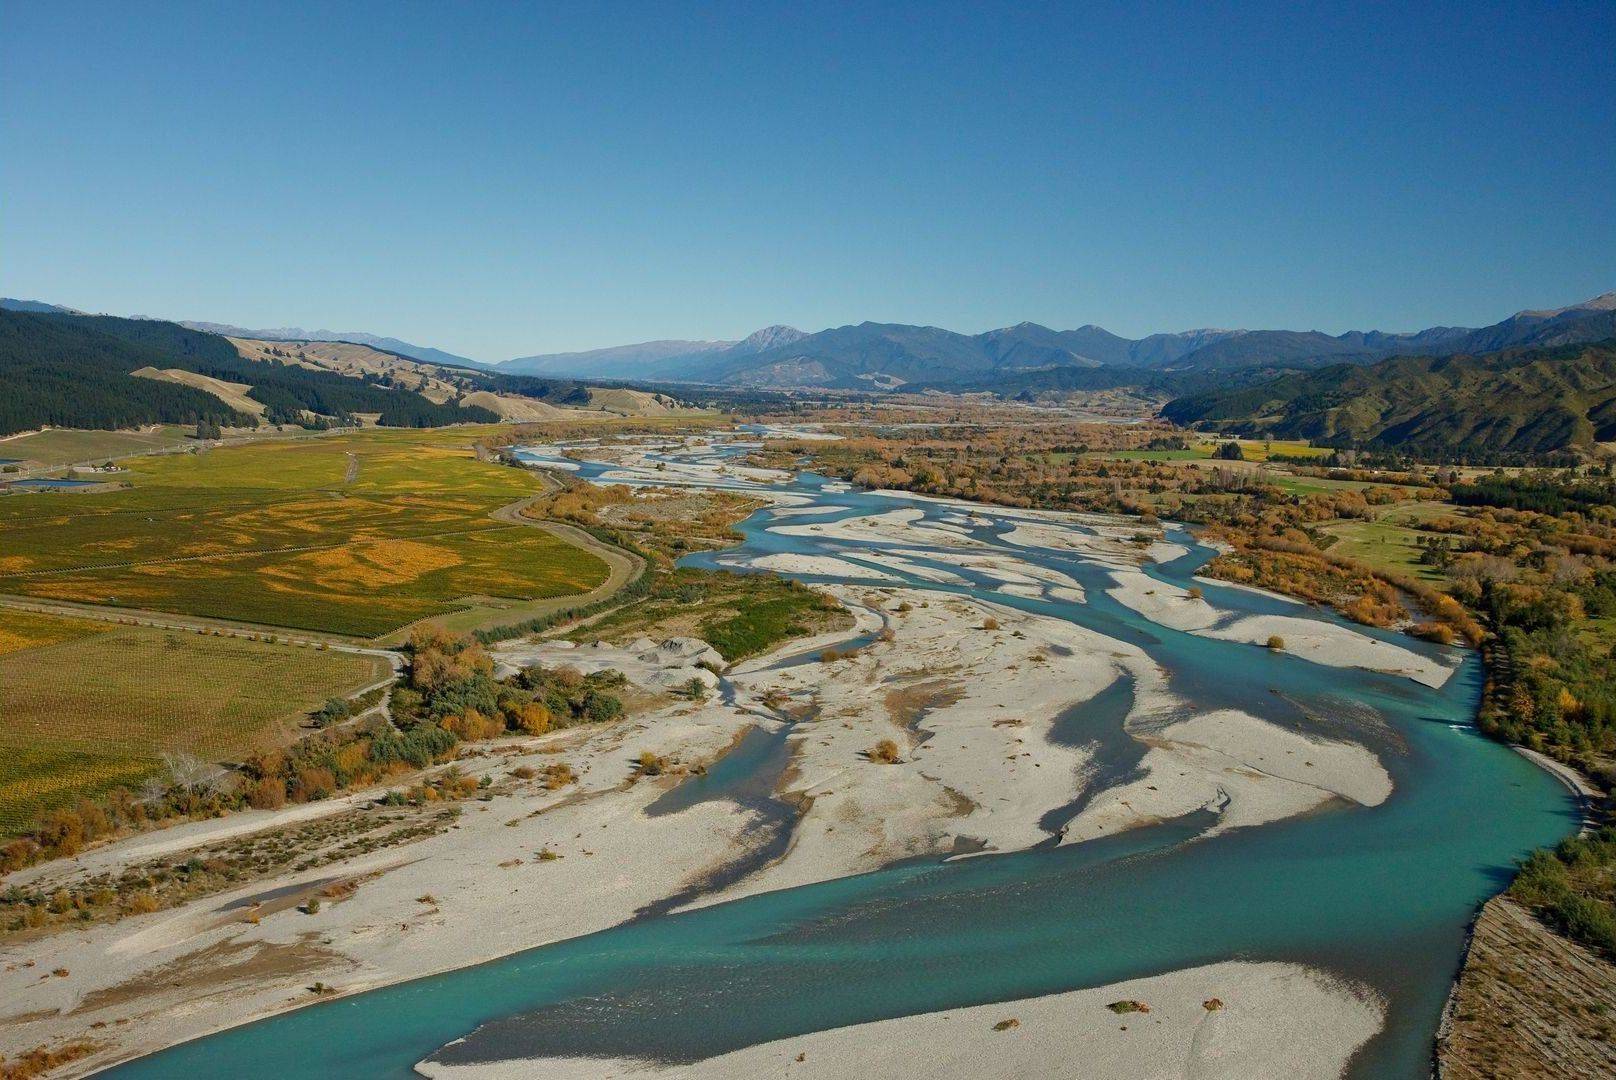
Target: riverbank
(1586, 792)
(1528, 1002)
(574, 860)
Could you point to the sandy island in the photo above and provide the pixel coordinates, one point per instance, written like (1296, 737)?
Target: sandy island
(1230, 1021)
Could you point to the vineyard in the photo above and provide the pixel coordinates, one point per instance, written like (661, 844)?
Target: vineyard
(355, 534)
(96, 705)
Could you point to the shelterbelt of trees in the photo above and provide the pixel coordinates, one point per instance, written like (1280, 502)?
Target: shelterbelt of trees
(1522, 565)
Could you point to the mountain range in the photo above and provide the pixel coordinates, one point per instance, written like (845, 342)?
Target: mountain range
(37, 307)
(667, 359)
(868, 356)
(1029, 358)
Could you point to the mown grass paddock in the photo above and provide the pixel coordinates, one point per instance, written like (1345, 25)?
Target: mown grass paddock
(1205, 448)
(354, 534)
(86, 706)
(63, 446)
(1389, 541)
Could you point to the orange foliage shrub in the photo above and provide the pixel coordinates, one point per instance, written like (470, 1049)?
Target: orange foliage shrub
(472, 725)
(313, 784)
(268, 793)
(533, 718)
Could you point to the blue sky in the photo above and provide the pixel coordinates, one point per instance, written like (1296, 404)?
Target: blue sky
(507, 179)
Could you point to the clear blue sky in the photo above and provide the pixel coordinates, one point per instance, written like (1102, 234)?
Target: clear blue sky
(507, 179)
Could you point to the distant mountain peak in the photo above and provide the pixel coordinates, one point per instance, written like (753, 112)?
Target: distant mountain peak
(1602, 302)
(639, 360)
(770, 337)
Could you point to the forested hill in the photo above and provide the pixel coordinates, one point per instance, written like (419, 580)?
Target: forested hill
(64, 374)
(1518, 403)
(74, 371)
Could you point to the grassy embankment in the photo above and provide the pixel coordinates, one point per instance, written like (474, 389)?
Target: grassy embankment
(356, 534)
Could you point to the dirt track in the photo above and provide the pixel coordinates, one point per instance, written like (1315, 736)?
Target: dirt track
(624, 565)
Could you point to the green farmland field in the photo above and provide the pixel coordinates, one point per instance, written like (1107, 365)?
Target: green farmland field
(354, 534)
(1382, 545)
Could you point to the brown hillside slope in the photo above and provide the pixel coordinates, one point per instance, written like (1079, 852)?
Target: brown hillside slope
(232, 394)
(433, 381)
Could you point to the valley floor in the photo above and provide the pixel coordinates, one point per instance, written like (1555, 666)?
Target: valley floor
(531, 865)
(932, 738)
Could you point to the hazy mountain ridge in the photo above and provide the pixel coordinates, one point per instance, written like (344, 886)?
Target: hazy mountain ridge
(36, 307)
(665, 359)
(358, 337)
(641, 358)
(1602, 302)
(873, 355)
